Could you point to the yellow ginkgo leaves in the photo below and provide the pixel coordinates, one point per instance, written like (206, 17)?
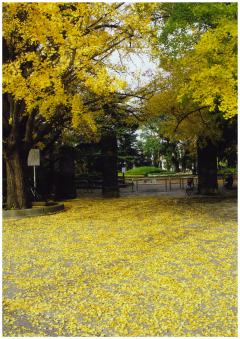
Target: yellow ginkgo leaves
(126, 267)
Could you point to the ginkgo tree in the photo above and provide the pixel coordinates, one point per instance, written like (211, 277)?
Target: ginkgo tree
(55, 59)
(199, 56)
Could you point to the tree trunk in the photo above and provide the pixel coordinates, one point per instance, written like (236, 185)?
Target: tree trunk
(207, 168)
(232, 159)
(16, 188)
(110, 187)
(175, 163)
(183, 164)
(155, 162)
(194, 167)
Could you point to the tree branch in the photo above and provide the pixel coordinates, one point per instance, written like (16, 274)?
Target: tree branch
(29, 127)
(187, 114)
(48, 127)
(68, 72)
(102, 17)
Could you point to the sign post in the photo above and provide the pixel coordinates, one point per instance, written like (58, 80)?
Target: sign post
(34, 160)
(34, 177)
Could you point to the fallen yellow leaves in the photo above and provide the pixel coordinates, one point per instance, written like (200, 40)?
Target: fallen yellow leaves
(127, 267)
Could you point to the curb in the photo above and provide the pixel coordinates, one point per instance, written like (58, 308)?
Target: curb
(32, 212)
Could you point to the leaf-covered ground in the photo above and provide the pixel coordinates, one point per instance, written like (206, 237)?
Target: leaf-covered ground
(127, 267)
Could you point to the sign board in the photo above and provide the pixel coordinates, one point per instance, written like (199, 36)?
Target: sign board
(123, 169)
(34, 157)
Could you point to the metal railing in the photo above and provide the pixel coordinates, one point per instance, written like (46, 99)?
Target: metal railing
(167, 183)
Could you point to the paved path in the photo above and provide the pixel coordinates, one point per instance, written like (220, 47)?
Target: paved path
(154, 191)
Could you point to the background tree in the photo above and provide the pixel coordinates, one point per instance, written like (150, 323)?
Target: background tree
(161, 151)
(200, 78)
(128, 151)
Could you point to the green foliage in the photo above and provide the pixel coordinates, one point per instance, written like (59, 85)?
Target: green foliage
(151, 144)
(184, 23)
(127, 146)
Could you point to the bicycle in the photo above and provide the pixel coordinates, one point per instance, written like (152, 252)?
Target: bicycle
(190, 187)
(189, 190)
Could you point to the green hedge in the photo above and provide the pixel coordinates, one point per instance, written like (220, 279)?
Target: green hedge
(145, 170)
(227, 170)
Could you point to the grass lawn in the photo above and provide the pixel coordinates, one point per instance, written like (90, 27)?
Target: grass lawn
(126, 267)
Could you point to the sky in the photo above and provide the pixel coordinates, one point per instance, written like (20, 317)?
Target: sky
(137, 65)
